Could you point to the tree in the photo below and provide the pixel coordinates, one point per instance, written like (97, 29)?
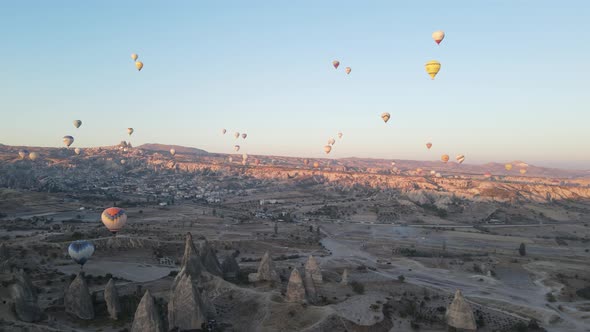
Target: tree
(522, 249)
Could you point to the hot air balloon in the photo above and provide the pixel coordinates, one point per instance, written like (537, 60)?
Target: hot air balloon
(438, 36)
(22, 153)
(316, 164)
(130, 131)
(236, 134)
(172, 152)
(244, 162)
(77, 123)
(432, 68)
(339, 135)
(419, 171)
(508, 167)
(347, 70)
(68, 140)
(80, 251)
(305, 162)
(244, 135)
(123, 161)
(223, 131)
(438, 175)
(393, 163)
(138, 65)
(331, 141)
(433, 172)
(327, 149)
(33, 156)
(237, 148)
(231, 159)
(385, 116)
(444, 158)
(114, 219)
(134, 56)
(336, 63)
(77, 150)
(428, 145)
(487, 175)
(245, 156)
(460, 158)
(523, 171)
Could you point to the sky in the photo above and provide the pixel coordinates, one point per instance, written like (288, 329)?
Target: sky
(513, 83)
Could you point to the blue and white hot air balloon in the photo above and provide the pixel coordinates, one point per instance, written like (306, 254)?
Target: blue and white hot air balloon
(80, 251)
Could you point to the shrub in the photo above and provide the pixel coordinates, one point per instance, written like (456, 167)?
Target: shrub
(357, 287)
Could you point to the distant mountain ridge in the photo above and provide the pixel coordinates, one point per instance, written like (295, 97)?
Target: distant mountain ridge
(166, 148)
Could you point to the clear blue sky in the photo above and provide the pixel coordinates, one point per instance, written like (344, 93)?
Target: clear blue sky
(513, 83)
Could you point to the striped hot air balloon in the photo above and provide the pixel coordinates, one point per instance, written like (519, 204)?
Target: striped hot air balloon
(80, 251)
(114, 219)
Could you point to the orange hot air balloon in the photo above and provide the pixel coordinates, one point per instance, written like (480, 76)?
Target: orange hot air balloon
(316, 164)
(428, 145)
(327, 149)
(114, 219)
(336, 63)
(444, 158)
(508, 167)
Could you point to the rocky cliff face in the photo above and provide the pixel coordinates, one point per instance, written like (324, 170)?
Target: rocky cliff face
(147, 317)
(460, 315)
(77, 299)
(24, 298)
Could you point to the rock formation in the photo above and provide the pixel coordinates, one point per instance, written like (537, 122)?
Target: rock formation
(191, 260)
(344, 280)
(460, 315)
(147, 317)
(266, 270)
(230, 268)
(24, 298)
(185, 309)
(295, 289)
(77, 299)
(313, 269)
(209, 259)
(4, 253)
(310, 288)
(111, 297)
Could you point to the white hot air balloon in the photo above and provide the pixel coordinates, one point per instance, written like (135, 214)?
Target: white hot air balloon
(68, 140)
(77, 150)
(172, 152)
(237, 148)
(236, 135)
(331, 141)
(223, 131)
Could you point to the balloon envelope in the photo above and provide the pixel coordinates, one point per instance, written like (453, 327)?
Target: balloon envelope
(130, 131)
(223, 131)
(432, 68)
(237, 147)
(428, 145)
(138, 65)
(81, 251)
(460, 158)
(77, 150)
(438, 36)
(68, 140)
(22, 153)
(339, 135)
(236, 134)
(172, 151)
(134, 56)
(327, 149)
(244, 135)
(522, 171)
(77, 123)
(331, 141)
(316, 164)
(114, 219)
(385, 116)
(444, 158)
(508, 167)
(33, 156)
(348, 70)
(336, 63)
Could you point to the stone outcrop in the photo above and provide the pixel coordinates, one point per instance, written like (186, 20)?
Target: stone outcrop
(460, 315)
(230, 268)
(24, 298)
(77, 300)
(185, 309)
(266, 270)
(295, 289)
(4, 252)
(310, 288)
(147, 318)
(344, 280)
(313, 269)
(191, 260)
(209, 259)
(111, 297)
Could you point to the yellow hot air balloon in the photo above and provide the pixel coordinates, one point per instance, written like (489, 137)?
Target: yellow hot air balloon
(438, 36)
(444, 158)
(33, 156)
(138, 65)
(432, 68)
(327, 149)
(172, 152)
(347, 70)
(114, 219)
(523, 171)
(385, 116)
(508, 167)
(134, 56)
(336, 63)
